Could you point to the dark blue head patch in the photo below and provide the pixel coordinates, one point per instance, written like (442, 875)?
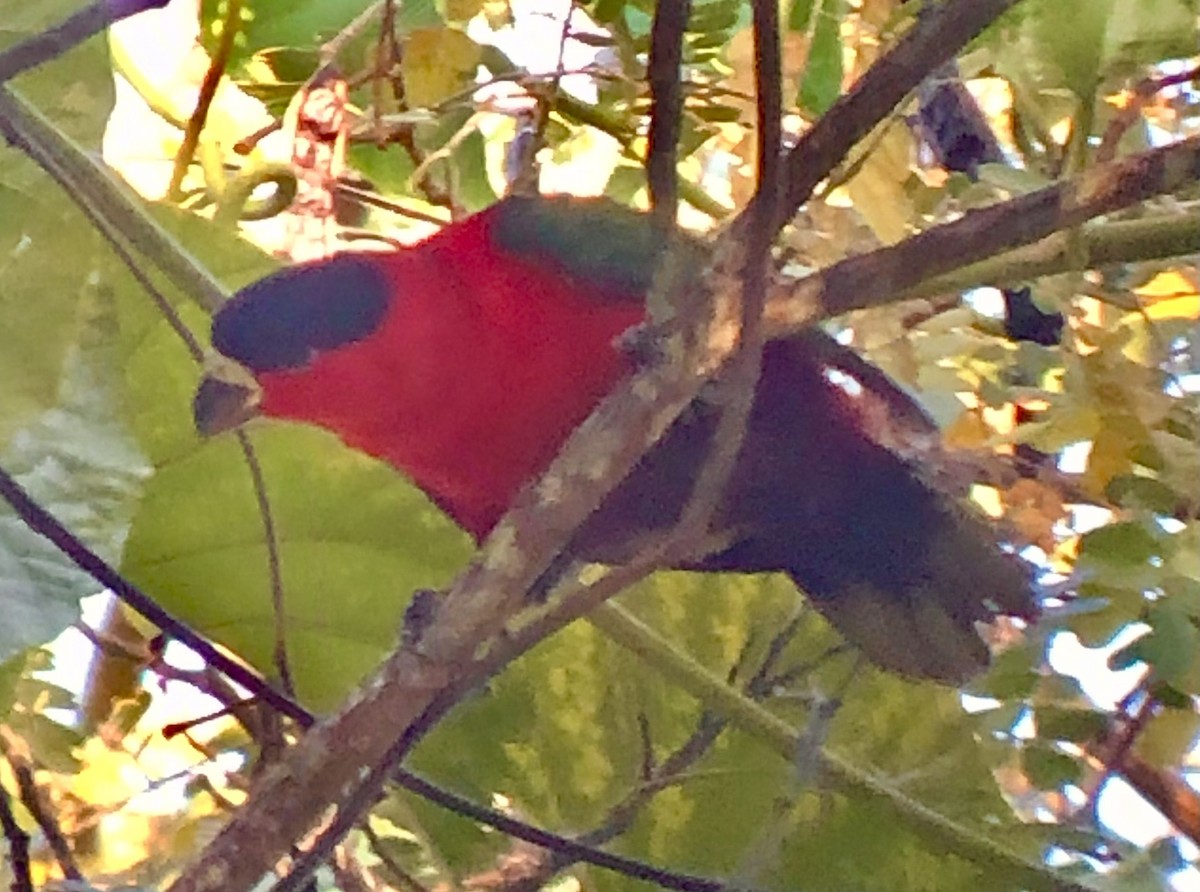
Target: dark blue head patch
(282, 321)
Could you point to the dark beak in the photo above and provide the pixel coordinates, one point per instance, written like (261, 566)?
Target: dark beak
(221, 405)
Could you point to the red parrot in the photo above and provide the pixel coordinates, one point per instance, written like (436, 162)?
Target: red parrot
(467, 360)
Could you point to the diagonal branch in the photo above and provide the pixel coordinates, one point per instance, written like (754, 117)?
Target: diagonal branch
(70, 32)
(941, 30)
(18, 845)
(913, 266)
(37, 803)
(94, 188)
(422, 680)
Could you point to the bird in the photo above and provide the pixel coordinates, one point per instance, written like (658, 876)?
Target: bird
(466, 360)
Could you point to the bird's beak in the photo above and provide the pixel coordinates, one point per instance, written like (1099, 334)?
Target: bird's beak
(227, 397)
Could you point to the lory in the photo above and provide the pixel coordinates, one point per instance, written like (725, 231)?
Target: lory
(467, 360)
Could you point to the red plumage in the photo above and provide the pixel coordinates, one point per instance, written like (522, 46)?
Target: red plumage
(466, 361)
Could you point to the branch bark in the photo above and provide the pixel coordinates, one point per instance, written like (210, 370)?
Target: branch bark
(926, 262)
(423, 679)
(940, 32)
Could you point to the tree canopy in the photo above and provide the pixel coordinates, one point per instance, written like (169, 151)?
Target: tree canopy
(993, 201)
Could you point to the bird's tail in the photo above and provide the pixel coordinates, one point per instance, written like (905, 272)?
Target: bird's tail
(928, 631)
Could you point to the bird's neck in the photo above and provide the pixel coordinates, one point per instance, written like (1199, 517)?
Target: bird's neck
(483, 366)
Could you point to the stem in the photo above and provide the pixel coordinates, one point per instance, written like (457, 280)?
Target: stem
(208, 90)
(942, 834)
(91, 186)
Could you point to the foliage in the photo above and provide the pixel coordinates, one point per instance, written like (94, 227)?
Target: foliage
(95, 422)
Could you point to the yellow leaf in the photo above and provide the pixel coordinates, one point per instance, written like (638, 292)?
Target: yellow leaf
(462, 10)
(988, 499)
(877, 190)
(1183, 306)
(1168, 283)
(1109, 458)
(967, 431)
(1065, 554)
(1034, 509)
(1186, 559)
(1068, 425)
(437, 64)
(1170, 295)
(1003, 420)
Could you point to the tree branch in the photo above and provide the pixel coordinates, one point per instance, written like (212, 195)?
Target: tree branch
(70, 32)
(18, 845)
(95, 190)
(941, 30)
(910, 268)
(36, 804)
(666, 110)
(43, 523)
(422, 680)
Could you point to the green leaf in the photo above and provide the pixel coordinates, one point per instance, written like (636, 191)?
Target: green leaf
(560, 733)
(800, 14)
(1168, 737)
(1076, 725)
(1049, 769)
(41, 293)
(822, 83)
(606, 11)
(471, 184)
(438, 63)
(1144, 32)
(1147, 493)
(716, 15)
(305, 24)
(53, 742)
(1011, 677)
(79, 462)
(1128, 543)
(354, 542)
(1171, 648)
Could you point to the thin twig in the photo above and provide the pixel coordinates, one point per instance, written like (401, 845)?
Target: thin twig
(44, 524)
(71, 31)
(1127, 116)
(663, 73)
(35, 803)
(399, 875)
(333, 47)
(18, 845)
(672, 771)
(274, 565)
(230, 26)
(387, 204)
(578, 851)
(740, 377)
(92, 186)
(937, 36)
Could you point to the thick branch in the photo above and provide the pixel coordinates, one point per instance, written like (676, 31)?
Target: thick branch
(912, 267)
(1156, 237)
(940, 32)
(420, 682)
(391, 710)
